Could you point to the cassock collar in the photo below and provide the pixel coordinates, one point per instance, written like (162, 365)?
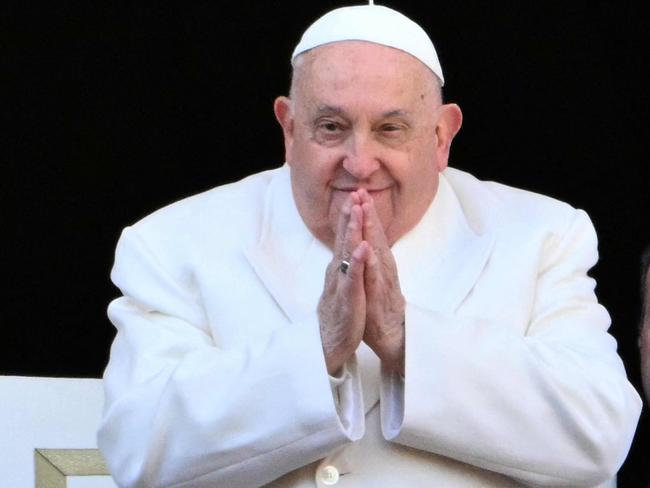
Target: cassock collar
(438, 261)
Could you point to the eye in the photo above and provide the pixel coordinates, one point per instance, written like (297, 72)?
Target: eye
(328, 126)
(391, 128)
(393, 132)
(328, 131)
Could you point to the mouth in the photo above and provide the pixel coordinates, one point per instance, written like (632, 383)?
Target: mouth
(377, 191)
(371, 191)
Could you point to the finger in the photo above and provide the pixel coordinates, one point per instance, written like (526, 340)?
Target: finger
(342, 314)
(364, 196)
(352, 253)
(354, 231)
(372, 273)
(384, 330)
(344, 216)
(342, 249)
(373, 230)
(381, 268)
(384, 296)
(353, 284)
(353, 234)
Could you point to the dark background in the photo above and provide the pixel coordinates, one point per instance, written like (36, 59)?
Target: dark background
(109, 112)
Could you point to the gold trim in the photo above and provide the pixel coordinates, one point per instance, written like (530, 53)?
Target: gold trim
(52, 466)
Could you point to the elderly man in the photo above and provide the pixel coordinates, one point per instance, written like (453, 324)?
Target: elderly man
(363, 315)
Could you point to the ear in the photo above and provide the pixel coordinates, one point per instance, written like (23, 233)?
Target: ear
(284, 115)
(450, 118)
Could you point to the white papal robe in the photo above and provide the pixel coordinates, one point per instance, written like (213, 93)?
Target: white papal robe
(217, 376)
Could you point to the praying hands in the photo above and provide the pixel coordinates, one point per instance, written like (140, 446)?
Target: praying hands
(361, 298)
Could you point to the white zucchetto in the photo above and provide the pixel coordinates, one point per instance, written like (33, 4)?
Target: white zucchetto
(372, 23)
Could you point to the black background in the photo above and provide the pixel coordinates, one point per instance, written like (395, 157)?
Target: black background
(109, 112)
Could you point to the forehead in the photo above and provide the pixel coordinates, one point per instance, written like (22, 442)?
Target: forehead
(361, 48)
(362, 67)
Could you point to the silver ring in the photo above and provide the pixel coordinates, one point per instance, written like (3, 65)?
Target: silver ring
(344, 266)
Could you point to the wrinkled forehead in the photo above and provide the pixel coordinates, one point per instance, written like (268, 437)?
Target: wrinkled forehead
(363, 64)
(360, 73)
(360, 57)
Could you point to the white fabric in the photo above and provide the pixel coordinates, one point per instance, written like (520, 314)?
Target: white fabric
(217, 376)
(372, 23)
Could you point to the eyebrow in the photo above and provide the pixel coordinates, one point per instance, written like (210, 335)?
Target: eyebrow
(329, 109)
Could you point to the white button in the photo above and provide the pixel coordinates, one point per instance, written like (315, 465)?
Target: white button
(329, 475)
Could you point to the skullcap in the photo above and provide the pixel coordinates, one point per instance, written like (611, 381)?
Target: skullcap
(372, 23)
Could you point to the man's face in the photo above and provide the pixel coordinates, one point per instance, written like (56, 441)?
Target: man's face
(365, 116)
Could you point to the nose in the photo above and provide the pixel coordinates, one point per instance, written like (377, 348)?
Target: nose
(361, 159)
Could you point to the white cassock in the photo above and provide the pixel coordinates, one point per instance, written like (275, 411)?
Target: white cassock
(217, 376)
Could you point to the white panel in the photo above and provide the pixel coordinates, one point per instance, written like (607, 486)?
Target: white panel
(50, 413)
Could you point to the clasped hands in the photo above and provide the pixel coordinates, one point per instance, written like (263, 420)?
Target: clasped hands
(366, 302)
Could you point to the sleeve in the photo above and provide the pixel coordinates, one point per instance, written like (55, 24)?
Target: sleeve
(181, 410)
(549, 407)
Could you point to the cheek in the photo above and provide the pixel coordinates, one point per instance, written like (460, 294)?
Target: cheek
(335, 200)
(311, 187)
(419, 175)
(313, 170)
(311, 179)
(315, 166)
(417, 183)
